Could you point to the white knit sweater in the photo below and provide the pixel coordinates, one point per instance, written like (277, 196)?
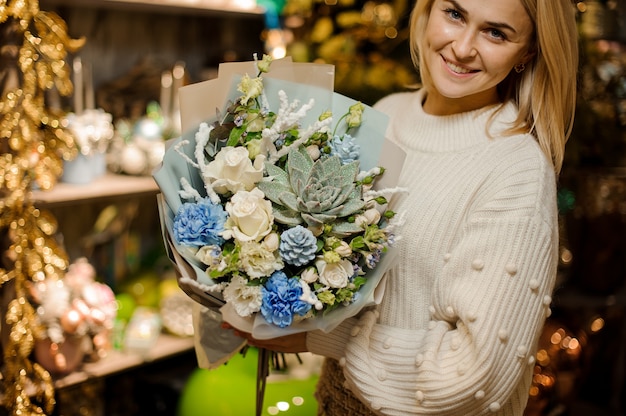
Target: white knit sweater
(457, 329)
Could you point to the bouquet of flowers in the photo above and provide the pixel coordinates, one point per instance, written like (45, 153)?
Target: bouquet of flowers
(271, 209)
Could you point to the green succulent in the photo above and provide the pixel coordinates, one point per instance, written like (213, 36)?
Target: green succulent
(318, 193)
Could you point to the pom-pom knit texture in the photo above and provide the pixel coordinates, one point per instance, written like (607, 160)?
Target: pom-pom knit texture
(463, 308)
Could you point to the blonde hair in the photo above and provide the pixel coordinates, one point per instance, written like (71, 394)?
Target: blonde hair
(545, 92)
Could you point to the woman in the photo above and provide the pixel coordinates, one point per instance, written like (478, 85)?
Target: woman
(457, 329)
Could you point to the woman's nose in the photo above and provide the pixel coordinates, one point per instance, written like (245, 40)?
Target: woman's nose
(464, 46)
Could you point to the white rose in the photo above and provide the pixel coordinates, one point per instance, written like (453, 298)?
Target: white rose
(250, 216)
(334, 275)
(232, 170)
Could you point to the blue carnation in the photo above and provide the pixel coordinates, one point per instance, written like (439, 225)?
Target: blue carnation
(199, 224)
(345, 147)
(297, 246)
(281, 300)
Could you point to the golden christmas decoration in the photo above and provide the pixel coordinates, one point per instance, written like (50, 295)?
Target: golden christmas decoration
(33, 144)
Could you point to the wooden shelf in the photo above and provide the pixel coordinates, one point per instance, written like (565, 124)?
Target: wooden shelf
(206, 7)
(118, 361)
(107, 186)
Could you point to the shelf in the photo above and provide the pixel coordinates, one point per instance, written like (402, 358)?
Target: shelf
(189, 7)
(107, 186)
(118, 361)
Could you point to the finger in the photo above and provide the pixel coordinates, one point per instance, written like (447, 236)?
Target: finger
(242, 334)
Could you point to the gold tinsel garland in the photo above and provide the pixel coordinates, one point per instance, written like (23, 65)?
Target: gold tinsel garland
(33, 143)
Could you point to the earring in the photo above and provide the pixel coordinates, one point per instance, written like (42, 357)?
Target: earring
(519, 68)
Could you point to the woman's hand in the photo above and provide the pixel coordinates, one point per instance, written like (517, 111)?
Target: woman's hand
(289, 343)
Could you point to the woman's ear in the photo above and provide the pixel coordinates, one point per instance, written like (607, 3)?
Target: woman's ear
(528, 56)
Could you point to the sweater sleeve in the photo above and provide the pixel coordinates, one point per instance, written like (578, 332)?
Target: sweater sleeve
(331, 344)
(488, 306)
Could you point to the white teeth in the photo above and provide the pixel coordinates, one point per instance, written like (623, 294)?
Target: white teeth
(457, 69)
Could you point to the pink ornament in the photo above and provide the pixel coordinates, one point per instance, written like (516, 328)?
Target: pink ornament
(82, 307)
(60, 358)
(97, 316)
(71, 320)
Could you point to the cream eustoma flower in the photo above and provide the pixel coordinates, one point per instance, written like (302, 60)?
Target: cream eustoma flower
(232, 170)
(369, 217)
(246, 299)
(251, 88)
(264, 64)
(211, 256)
(354, 116)
(255, 123)
(334, 275)
(314, 151)
(309, 275)
(343, 249)
(257, 261)
(255, 148)
(271, 242)
(250, 216)
(326, 114)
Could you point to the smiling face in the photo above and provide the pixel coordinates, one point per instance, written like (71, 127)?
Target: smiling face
(470, 46)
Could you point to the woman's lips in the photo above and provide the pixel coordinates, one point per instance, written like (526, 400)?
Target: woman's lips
(458, 69)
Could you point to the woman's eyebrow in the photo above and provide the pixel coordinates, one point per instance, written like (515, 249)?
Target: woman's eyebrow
(497, 25)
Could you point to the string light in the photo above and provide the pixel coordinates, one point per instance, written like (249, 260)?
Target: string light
(37, 43)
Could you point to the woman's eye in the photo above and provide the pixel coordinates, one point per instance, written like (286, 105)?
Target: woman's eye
(454, 14)
(496, 34)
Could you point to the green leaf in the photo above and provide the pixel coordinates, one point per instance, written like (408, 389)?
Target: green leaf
(359, 281)
(299, 160)
(277, 174)
(351, 170)
(290, 201)
(357, 243)
(235, 136)
(312, 221)
(287, 217)
(274, 191)
(344, 229)
(350, 207)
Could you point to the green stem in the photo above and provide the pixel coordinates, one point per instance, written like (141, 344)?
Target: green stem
(338, 122)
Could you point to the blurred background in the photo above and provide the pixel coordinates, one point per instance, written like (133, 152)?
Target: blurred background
(136, 56)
